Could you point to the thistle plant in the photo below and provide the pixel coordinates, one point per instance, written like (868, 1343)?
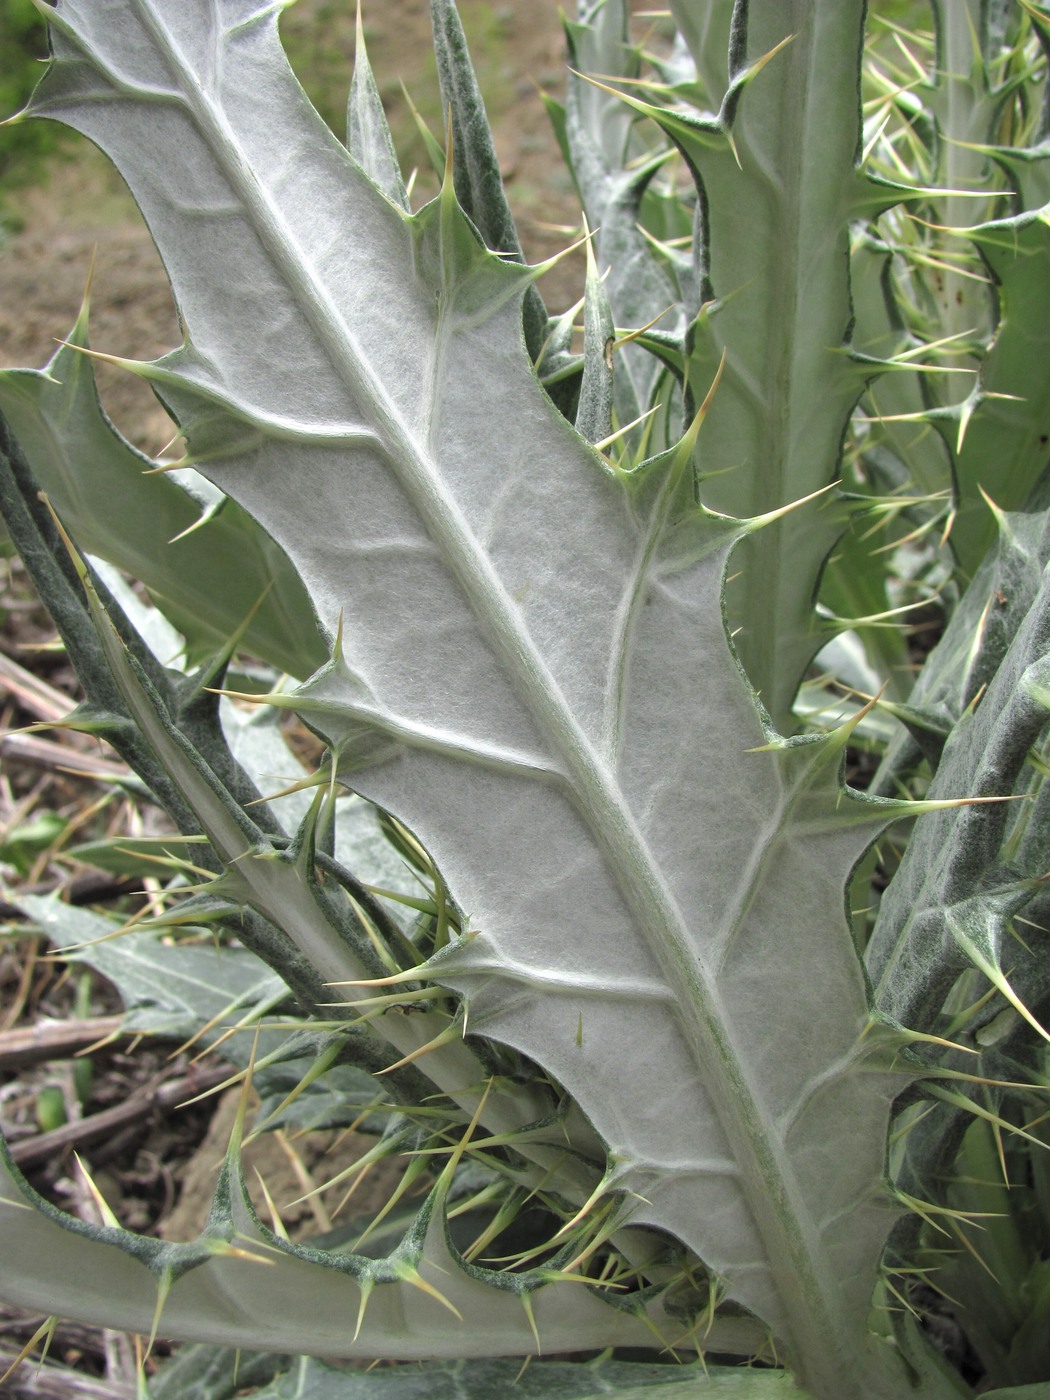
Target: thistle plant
(547, 588)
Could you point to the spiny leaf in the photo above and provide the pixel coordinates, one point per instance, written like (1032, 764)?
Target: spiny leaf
(367, 133)
(233, 1286)
(1007, 442)
(772, 251)
(174, 541)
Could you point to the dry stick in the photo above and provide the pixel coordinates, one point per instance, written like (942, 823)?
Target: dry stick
(25, 981)
(54, 1040)
(50, 706)
(152, 1099)
(48, 1382)
(46, 753)
(32, 693)
(89, 887)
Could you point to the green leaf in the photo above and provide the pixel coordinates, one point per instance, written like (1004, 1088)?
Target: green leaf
(950, 903)
(966, 102)
(706, 31)
(959, 945)
(594, 411)
(134, 857)
(982, 627)
(1001, 445)
(24, 843)
(214, 1373)
(48, 563)
(166, 989)
(895, 402)
(1002, 1285)
(174, 541)
(235, 1286)
(542, 1380)
(777, 187)
(195, 990)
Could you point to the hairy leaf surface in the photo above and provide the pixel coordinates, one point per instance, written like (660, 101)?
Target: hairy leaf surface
(532, 668)
(553, 1380)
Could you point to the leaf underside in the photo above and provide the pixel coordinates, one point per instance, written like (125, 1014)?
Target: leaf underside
(533, 674)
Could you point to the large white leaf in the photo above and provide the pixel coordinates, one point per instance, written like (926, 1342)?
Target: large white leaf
(533, 670)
